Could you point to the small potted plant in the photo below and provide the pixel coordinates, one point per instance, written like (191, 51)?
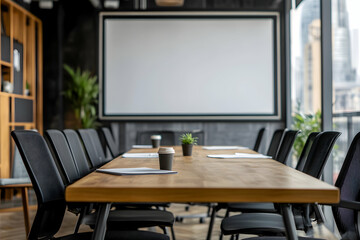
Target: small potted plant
(27, 89)
(188, 141)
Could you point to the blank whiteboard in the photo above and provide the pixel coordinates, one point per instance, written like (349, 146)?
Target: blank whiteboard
(189, 67)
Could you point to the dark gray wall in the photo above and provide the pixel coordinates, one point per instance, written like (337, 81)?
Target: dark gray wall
(216, 133)
(71, 37)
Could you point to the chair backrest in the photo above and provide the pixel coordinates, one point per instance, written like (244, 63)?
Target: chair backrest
(167, 137)
(46, 181)
(93, 147)
(348, 182)
(258, 139)
(200, 134)
(275, 142)
(286, 145)
(18, 168)
(63, 155)
(78, 152)
(305, 151)
(320, 152)
(99, 147)
(110, 141)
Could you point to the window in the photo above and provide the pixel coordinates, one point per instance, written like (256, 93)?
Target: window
(346, 78)
(305, 70)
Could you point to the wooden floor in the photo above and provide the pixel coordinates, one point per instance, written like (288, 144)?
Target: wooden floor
(12, 225)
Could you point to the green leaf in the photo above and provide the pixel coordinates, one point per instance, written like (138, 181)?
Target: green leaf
(187, 138)
(81, 92)
(307, 123)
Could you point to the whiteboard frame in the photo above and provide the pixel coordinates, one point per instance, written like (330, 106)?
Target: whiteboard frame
(277, 88)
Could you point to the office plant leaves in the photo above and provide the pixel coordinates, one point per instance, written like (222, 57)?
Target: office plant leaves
(82, 91)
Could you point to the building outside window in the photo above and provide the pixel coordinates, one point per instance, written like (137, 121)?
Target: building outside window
(346, 78)
(305, 70)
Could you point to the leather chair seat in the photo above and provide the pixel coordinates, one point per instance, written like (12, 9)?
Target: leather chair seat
(253, 223)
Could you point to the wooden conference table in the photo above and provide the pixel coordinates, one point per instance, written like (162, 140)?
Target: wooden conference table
(202, 179)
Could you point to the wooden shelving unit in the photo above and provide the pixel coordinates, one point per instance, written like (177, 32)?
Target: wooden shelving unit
(21, 65)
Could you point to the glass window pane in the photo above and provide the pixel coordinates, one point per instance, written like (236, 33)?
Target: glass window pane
(306, 70)
(346, 80)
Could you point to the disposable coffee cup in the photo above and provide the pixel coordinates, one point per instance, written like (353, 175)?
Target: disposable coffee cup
(166, 156)
(155, 140)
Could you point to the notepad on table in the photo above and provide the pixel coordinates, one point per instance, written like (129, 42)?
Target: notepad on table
(135, 171)
(224, 148)
(249, 155)
(142, 146)
(140, 155)
(238, 156)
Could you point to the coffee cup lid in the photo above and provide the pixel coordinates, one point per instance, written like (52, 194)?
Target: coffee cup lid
(166, 150)
(156, 137)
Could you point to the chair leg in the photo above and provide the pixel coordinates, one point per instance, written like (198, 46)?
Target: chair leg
(211, 224)
(9, 193)
(306, 219)
(25, 202)
(320, 217)
(172, 233)
(79, 221)
(227, 213)
(164, 230)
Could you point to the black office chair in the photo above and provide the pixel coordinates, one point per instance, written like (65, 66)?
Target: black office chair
(167, 137)
(286, 145)
(99, 146)
(110, 142)
(271, 223)
(346, 213)
(119, 219)
(261, 207)
(68, 169)
(62, 154)
(93, 147)
(50, 192)
(77, 151)
(258, 139)
(275, 142)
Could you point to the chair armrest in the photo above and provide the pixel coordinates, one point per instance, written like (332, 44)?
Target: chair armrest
(346, 204)
(349, 204)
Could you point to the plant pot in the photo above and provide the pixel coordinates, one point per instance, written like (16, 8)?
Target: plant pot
(187, 149)
(27, 92)
(71, 121)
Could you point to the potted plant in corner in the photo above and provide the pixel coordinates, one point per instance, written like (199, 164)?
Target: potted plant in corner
(81, 92)
(188, 141)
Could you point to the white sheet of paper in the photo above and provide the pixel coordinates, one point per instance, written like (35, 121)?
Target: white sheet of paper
(224, 148)
(223, 156)
(140, 155)
(141, 146)
(249, 155)
(135, 171)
